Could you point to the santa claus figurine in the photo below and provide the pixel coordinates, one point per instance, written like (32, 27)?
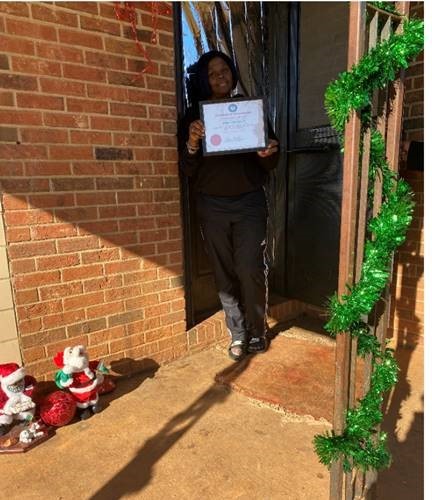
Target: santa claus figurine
(79, 376)
(16, 389)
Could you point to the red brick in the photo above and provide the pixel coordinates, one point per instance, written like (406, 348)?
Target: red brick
(16, 45)
(58, 53)
(57, 262)
(62, 319)
(15, 8)
(118, 46)
(22, 266)
(96, 168)
(146, 126)
(108, 61)
(77, 244)
(106, 92)
(31, 30)
(105, 309)
(37, 279)
(127, 139)
(168, 99)
(89, 299)
(103, 283)
(105, 123)
(87, 137)
(26, 296)
(136, 224)
(86, 106)
(20, 117)
(28, 217)
(117, 212)
(11, 168)
(66, 120)
(128, 109)
(134, 197)
(144, 96)
(72, 153)
(89, 7)
(31, 249)
(164, 140)
(100, 255)
(71, 184)
(17, 234)
(122, 293)
(76, 214)
(53, 231)
(95, 24)
(50, 168)
(62, 87)
(56, 16)
(21, 151)
(52, 200)
(44, 135)
(6, 98)
(114, 183)
(38, 310)
(96, 199)
(122, 267)
(156, 83)
(80, 38)
(85, 73)
(32, 66)
(99, 227)
(82, 272)
(59, 291)
(30, 326)
(39, 101)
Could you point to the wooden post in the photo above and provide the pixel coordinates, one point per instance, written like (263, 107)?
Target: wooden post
(347, 242)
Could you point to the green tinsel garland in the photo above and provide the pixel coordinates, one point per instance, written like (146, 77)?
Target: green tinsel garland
(361, 445)
(353, 89)
(387, 6)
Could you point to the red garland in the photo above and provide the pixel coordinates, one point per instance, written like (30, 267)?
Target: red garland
(128, 13)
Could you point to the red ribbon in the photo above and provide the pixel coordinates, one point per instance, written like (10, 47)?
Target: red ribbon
(128, 13)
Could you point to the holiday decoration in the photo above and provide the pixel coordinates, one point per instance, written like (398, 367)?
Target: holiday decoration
(386, 6)
(353, 89)
(58, 408)
(18, 432)
(80, 377)
(32, 433)
(128, 13)
(16, 389)
(361, 445)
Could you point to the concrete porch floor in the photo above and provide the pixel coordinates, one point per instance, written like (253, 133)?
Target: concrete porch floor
(175, 433)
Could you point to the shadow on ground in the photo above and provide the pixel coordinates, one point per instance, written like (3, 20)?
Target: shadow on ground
(135, 475)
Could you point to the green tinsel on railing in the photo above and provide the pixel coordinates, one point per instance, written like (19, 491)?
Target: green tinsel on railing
(353, 89)
(387, 6)
(360, 445)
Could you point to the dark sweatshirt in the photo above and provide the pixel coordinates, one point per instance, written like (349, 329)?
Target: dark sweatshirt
(224, 175)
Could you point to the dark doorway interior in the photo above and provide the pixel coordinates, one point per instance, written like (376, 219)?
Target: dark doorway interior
(288, 51)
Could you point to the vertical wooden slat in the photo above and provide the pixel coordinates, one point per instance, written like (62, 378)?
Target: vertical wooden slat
(358, 483)
(395, 120)
(347, 242)
(391, 126)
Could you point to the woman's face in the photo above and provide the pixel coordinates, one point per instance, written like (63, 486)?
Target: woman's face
(220, 78)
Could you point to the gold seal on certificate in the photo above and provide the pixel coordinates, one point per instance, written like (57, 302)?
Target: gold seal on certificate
(233, 126)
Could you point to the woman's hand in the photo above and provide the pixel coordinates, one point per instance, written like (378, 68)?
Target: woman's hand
(196, 132)
(271, 149)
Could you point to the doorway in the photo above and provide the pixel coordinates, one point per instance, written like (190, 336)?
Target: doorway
(296, 49)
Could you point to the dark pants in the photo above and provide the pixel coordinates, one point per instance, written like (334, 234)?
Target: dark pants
(234, 232)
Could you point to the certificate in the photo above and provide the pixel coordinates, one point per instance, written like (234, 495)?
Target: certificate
(233, 126)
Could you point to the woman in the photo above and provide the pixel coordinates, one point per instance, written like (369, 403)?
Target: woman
(232, 211)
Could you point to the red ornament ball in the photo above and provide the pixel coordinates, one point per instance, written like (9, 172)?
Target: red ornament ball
(57, 409)
(107, 385)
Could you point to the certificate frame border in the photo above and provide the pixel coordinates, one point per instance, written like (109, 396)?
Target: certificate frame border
(235, 151)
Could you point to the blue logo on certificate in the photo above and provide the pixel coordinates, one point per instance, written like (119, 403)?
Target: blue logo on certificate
(232, 108)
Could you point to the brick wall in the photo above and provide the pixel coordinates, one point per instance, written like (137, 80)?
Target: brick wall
(407, 308)
(89, 182)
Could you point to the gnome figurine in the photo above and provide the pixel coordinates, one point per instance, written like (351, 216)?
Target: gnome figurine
(16, 389)
(79, 376)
